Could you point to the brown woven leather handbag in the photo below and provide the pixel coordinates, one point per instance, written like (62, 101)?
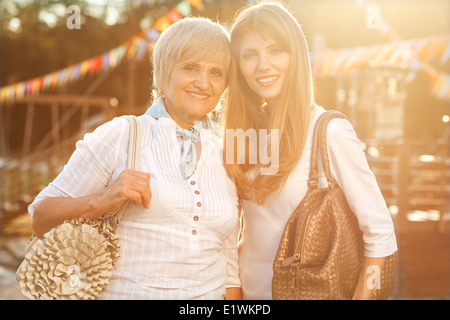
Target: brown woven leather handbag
(321, 250)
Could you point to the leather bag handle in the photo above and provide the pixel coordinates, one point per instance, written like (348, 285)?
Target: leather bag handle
(314, 173)
(320, 145)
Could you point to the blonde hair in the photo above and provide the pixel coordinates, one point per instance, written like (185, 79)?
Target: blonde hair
(291, 111)
(197, 39)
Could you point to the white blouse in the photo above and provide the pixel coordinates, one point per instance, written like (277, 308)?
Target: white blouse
(185, 245)
(264, 224)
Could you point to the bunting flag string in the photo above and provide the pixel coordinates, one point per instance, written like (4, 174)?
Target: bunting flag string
(412, 54)
(409, 54)
(421, 53)
(440, 83)
(134, 48)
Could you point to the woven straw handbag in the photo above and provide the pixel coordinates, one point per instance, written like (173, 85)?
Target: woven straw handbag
(75, 259)
(321, 249)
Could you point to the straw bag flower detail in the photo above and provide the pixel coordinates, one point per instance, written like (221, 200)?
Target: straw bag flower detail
(321, 249)
(75, 260)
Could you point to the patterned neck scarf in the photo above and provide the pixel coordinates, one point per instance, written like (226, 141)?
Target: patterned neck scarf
(186, 137)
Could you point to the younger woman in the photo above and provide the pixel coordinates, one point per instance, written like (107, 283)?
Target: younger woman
(271, 88)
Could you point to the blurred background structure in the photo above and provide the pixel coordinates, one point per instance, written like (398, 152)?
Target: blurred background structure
(385, 64)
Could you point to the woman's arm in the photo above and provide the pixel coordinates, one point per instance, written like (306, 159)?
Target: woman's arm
(52, 211)
(369, 278)
(351, 171)
(84, 187)
(230, 250)
(233, 293)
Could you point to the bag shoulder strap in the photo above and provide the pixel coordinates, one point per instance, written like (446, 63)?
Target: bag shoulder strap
(320, 144)
(134, 152)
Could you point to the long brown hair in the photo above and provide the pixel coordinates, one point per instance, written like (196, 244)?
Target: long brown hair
(291, 112)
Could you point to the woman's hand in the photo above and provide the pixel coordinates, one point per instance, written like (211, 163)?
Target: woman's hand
(130, 185)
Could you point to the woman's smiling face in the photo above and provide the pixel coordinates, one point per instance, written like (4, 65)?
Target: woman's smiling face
(194, 89)
(264, 64)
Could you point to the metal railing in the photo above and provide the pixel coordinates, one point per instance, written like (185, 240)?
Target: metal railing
(22, 179)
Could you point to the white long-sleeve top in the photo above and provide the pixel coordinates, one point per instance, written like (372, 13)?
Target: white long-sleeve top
(185, 245)
(264, 224)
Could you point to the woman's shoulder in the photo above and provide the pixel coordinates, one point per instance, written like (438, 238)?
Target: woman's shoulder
(316, 112)
(116, 131)
(338, 129)
(146, 119)
(112, 128)
(121, 122)
(335, 124)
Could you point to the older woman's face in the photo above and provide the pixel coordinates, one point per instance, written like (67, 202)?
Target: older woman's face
(194, 89)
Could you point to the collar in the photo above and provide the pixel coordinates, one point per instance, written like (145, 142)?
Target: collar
(158, 110)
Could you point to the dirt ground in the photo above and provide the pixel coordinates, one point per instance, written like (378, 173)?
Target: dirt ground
(9, 289)
(13, 240)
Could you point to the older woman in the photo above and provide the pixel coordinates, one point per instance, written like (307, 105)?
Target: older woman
(179, 239)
